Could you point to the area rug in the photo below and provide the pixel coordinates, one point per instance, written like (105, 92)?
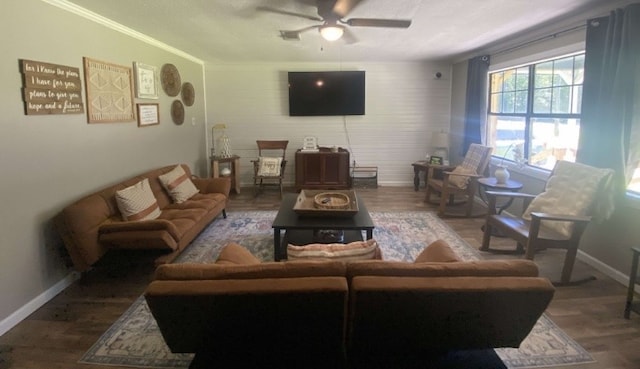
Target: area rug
(134, 339)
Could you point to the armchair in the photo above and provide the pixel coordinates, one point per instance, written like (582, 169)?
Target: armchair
(461, 180)
(556, 218)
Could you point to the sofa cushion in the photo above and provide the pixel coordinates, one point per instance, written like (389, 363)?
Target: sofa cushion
(235, 254)
(207, 201)
(479, 268)
(358, 250)
(437, 251)
(193, 271)
(178, 184)
(137, 202)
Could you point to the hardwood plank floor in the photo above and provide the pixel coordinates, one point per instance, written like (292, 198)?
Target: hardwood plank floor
(59, 333)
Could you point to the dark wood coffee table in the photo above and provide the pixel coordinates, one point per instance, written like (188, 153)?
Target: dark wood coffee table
(299, 230)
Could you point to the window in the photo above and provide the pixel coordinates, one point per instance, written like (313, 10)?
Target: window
(534, 111)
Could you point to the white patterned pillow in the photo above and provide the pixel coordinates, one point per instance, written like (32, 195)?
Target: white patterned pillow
(137, 202)
(358, 250)
(269, 167)
(460, 181)
(178, 184)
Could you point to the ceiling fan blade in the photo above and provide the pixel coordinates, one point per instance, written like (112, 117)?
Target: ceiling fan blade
(284, 12)
(372, 22)
(344, 7)
(348, 37)
(295, 34)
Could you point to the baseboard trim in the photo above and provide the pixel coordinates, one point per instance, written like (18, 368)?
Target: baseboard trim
(605, 269)
(33, 305)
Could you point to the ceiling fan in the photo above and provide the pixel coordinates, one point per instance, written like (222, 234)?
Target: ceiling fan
(331, 13)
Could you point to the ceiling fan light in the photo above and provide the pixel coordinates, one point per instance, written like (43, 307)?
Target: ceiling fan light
(331, 32)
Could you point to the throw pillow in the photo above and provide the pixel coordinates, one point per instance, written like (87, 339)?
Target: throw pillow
(178, 185)
(438, 252)
(234, 254)
(269, 167)
(137, 202)
(460, 181)
(358, 250)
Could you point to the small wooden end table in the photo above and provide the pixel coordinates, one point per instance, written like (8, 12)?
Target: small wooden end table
(233, 162)
(491, 184)
(419, 166)
(423, 166)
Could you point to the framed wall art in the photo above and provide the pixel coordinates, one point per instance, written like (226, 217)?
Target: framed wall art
(148, 115)
(435, 160)
(146, 80)
(109, 89)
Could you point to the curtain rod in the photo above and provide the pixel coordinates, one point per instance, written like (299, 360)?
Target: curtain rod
(543, 38)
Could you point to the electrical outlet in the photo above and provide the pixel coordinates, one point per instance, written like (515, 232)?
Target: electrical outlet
(193, 121)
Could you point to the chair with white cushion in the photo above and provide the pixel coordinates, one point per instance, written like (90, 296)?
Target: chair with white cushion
(555, 219)
(269, 168)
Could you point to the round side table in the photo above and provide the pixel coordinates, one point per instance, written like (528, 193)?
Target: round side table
(491, 184)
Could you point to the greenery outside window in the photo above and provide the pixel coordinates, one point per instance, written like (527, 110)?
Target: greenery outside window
(534, 111)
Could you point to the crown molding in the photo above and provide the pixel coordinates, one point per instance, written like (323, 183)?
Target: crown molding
(97, 18)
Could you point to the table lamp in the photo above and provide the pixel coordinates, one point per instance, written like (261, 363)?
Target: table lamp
(440, 143)
(219, 135)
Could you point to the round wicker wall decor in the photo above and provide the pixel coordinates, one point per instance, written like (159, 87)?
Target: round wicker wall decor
(170, 79)
(177, 112)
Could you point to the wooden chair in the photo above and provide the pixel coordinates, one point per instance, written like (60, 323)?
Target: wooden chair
(554, 219)
(269, 168)
(461, 180)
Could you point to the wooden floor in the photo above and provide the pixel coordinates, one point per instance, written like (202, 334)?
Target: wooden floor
(58, 334)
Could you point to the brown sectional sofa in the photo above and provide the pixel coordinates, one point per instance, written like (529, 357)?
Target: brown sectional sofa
(334, 314)
(93, 224)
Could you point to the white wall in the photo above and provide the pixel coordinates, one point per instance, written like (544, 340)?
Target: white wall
(49, 161)
(405, 104)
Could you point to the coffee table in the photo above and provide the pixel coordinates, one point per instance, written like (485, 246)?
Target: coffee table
(299, 230)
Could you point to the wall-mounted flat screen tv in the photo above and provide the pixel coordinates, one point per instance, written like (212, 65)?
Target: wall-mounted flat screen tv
(326, 93)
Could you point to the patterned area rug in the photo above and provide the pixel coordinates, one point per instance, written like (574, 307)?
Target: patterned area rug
(135, 340)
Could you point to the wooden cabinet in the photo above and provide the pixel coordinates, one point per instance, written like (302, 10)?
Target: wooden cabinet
(322, 170)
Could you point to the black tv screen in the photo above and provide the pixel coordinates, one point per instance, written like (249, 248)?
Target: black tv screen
(326, 93)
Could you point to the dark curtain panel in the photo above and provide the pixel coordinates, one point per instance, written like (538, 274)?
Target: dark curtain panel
(611, 94)
(475, 113)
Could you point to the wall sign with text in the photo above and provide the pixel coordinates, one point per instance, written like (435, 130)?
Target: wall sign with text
(51, 88)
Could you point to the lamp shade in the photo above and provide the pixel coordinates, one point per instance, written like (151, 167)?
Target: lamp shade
(331, 32)
(440, 140)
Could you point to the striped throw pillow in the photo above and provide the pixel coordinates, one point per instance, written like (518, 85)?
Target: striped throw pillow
(178, 185)
(137, 202)
(358, 250)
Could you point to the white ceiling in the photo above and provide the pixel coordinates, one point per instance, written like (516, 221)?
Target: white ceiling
(234, 31)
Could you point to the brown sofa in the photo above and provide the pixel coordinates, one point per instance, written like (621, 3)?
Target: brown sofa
(333, 314)
(93, 224)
